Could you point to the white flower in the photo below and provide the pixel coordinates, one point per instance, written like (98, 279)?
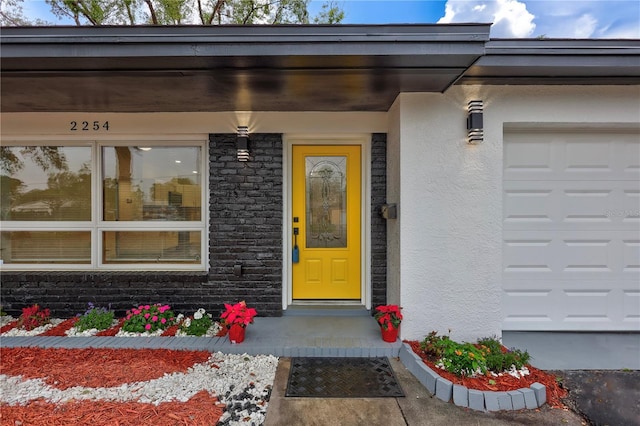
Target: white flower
(187, 323)
(199, 313)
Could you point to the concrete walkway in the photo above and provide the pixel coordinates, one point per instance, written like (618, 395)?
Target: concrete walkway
(417, 408)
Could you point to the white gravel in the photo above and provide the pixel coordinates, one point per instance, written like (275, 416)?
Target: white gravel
(38, 330)
(74, 332)
(6, 319)
(242, 382)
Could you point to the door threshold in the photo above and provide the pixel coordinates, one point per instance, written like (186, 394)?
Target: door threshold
(326, 308)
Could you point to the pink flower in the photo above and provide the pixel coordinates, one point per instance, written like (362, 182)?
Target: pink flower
(135, 311)
(163, 320)
(140, 307)
(147, 307)
(154, 318)
(147, 327)
(147, 315)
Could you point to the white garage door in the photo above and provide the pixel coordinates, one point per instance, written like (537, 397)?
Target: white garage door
(571, 230)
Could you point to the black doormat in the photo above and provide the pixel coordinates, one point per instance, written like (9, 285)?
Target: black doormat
(342, 378)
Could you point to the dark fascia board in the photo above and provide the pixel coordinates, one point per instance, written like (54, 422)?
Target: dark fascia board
(242, 46)
(247, 33)
(557, 61)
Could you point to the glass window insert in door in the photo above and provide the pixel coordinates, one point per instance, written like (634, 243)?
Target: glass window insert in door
(326, 203)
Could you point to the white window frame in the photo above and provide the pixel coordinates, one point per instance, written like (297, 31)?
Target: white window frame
(97, 226)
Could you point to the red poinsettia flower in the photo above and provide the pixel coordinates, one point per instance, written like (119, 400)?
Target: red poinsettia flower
(388, 316)
(238, 314)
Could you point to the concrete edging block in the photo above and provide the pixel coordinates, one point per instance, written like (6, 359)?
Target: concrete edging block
(491, 401)
(504, 401)
(430, 378)
(530, 398)
(476, 400)
(541, 393)
(444, 389)
(517, 400)
(460, 396)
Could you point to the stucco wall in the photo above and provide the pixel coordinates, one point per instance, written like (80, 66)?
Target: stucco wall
(393, 197)
(451, 194)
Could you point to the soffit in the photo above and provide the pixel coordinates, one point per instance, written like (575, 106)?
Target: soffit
(229, 68)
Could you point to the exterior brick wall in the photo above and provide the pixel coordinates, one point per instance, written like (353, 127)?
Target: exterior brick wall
(245, 228)
(67, 293)
(246, 222)
(378, 223)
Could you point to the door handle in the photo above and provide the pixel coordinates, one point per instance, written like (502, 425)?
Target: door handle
(295, 253)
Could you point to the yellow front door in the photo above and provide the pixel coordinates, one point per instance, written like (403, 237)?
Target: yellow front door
(326, 201)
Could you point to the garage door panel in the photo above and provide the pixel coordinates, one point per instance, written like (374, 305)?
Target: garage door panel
(570, 255)
(571, 305)
(571, 230)
(631, 256)
(593, 155)
(571, 205)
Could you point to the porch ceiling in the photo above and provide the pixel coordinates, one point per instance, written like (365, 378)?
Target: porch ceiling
(227, 68)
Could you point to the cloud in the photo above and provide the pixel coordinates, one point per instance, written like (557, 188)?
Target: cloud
(510, 18)
(588, 19)
(550, 18)
(585, 26)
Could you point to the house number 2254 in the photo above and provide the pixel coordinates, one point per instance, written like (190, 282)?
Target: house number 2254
(86, 126)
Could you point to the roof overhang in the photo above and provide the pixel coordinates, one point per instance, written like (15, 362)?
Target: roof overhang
(231, 68)
(554, 61)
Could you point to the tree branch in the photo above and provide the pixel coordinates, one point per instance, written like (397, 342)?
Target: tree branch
(154, 18)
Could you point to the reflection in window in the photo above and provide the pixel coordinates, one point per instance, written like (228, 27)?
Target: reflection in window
(150, 246)
(148, 201)
(146, 184)
(45, 183)
(45, 247)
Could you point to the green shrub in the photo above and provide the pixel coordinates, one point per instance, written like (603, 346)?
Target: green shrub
(462, 359)
(497, 360)
(467, 359)
(94, 317)
(199, 325)
(432, 345)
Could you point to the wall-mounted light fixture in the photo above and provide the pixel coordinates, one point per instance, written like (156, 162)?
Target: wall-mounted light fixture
(242, 143)
(475, 132)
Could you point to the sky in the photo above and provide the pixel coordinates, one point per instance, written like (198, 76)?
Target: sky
(510, 18)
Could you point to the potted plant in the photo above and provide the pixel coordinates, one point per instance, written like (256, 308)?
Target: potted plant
(389, 318)
(236, 318)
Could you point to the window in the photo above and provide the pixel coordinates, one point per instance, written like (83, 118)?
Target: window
(102, 205)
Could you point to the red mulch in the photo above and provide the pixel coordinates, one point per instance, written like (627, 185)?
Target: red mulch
(59, 330)
(65, 368)
(555, 393)
(113, 330)
(201, 409)
(171, 330)
(9, 326)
